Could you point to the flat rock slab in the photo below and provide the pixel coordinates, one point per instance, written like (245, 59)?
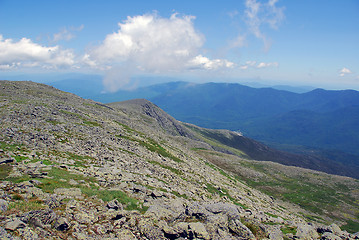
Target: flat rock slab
(69, 192)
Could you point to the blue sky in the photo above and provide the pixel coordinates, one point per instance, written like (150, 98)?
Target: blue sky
(270, 42)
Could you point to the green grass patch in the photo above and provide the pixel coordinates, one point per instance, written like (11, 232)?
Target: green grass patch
(108, 195)
(287, 229)
(174, 170)
(20, 179)
(53, 122)
(12, 147)
(271, 215)
(152, 146)
(5, 170)
(255, 229)
(85, 121)
(179, 195)
(351, 226)
(25, 206)
(91, 123)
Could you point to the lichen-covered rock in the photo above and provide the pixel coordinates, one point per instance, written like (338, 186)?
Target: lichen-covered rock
(329, 236)
(114, 204)
(148, 229)
(198, 230)
(28, 234)
(306, 232)
(69, 192)
(3, 205)
(14, 224)
(7, 236)
(61, 224)
(240, 230)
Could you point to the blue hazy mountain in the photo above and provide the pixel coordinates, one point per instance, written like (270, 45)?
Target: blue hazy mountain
(320, 121)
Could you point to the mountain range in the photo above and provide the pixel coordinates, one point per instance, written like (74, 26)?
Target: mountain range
(320, 123)
(72, 168)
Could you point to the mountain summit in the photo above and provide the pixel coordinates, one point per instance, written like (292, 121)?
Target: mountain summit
(72, 168)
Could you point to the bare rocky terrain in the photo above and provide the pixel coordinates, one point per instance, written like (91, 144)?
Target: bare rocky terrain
(72, 168)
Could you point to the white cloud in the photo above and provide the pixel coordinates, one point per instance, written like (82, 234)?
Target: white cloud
(25, 53)
(151, 44)
(344, 71)
(265, 65)
(258, 14)
(254, 64)
(206, 63)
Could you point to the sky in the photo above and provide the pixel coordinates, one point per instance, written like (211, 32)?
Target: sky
(298, 43)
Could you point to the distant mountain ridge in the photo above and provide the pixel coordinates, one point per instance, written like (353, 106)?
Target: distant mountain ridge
(324, 121)
(270, 115)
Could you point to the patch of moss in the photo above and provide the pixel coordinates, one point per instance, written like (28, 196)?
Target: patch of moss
(5, 170)
(174, 170)
(351, 226)
(289, 229)
(179, 195)
(25, 206)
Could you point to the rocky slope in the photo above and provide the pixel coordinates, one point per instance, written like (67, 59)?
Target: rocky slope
(72, 168)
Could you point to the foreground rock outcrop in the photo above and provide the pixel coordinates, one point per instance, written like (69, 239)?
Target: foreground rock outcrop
(76, 169)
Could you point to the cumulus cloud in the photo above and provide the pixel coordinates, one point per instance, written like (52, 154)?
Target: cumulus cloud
(344, 71)
(259, 14)
(25, 53)
(152, 44)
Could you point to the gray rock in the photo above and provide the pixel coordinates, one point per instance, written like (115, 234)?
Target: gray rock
(229, 209)
(15, 224)
(39, 218)
(69, 192)
(86, 217)
(6, 160)
(336, 229)
(306, 231)
(240, 230)
(3, 205)
(198, 211)
(114, 204)
(28, 234)
(329, 236)
(149, 230)
(61, 224)
(276, 234)
(164, 212)
(125, 234)
(6, 236)
(198, 230)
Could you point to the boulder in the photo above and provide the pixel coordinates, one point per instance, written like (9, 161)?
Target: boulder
(69, 192)
(240, 230)
(3, 205)
(276, 234)
(149, 230)
(114, 204)
(198, 230)
(329, 236)
(306, 231)
(14, 224)
(61, 224)
(229, 209)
